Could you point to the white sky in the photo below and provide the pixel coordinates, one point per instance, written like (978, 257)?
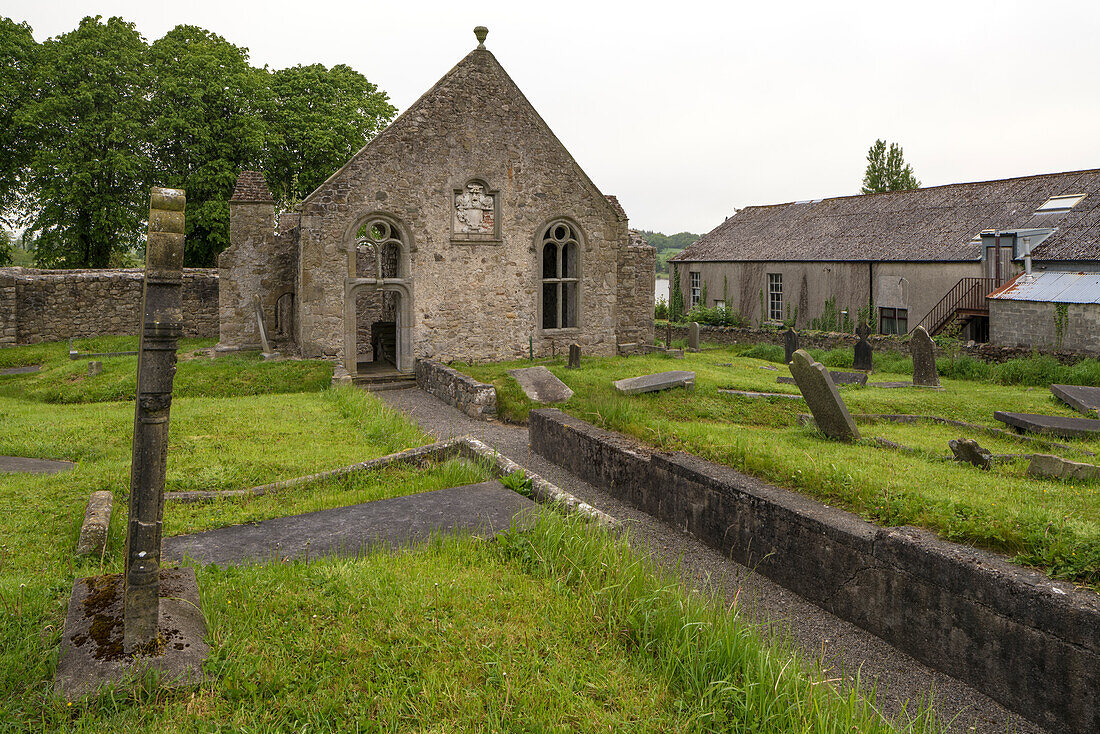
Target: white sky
(688, 110)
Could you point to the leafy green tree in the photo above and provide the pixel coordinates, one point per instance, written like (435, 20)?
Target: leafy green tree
(18, 51)
(887, 170)
(5, 247)
(317, 118)
(87, 118)
(206, 104)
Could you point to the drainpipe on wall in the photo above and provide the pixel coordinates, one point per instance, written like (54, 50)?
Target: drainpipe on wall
(997, 259)
(870, 292)
(1027, 259)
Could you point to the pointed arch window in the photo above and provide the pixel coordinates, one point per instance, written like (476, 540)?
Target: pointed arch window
(560, 245)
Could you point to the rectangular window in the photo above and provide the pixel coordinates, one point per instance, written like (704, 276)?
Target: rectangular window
(775, 296)
(893, 321)
(719, 304)
(696, 290)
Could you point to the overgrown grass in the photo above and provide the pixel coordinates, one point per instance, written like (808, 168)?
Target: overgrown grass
(62, 380)
(1048, 524)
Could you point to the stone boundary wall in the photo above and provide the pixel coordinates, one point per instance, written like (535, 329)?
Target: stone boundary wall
(1031, 643)
(834, 340)
(54, 305)
(475, 399)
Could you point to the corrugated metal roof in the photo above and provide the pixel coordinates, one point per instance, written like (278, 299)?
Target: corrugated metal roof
(1053, 287)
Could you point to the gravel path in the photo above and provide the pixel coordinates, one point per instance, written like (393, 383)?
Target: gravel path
(843, 649)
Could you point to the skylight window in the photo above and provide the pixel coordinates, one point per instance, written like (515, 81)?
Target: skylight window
(1060, 203)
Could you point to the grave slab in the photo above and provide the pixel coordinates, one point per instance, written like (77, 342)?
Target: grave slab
(1054, 425)
(485, 509)
(750, 394)
(23, 465)
(839, 378)
(91, 645)
(656, 382)
(889, 384)
(20, 370)
(1079, 397)
(541, 385)
(829, 411)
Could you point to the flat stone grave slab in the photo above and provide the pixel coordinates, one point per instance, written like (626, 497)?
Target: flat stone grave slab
(20, 370)
(485, 509)
(1079, 397)
(839, 378)
(890, 384)
(91, 645)
(23, 465)
(655, 383)
(541, 385)
(1055, 425)
(750, 394)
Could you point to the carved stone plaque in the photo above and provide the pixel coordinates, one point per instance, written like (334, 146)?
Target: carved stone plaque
(475, 212)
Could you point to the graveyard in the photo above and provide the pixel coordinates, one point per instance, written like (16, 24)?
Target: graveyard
(901, 471)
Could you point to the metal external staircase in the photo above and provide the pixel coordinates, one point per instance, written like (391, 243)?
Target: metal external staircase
(961, 304)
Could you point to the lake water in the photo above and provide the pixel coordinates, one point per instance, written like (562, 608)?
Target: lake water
(660, 289)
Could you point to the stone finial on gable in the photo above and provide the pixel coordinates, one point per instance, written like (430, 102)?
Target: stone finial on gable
(480, 33)
(251, 187)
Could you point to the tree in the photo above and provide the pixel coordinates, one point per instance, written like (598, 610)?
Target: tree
(317, 119)
(87, 118)
(205, 101)
(887, 170)
(5, 247)
(18, 51)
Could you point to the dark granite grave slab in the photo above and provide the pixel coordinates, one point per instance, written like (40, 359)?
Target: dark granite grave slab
(839, 378)
(1055, 425)
(23, 465)
(91, 644)
(485, 509)
(653, 383)
(1079, 397)
(20, 370)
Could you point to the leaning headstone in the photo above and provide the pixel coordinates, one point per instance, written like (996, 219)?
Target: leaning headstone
(541, 385)
(790, 344)
(265, 344)
(967, 450)
(97, 518)
(574, 356)
(94, 368)
(923, 350)
(654, 383)
(693, 336)
(1046, 466)
(862, 357)
(830, 414)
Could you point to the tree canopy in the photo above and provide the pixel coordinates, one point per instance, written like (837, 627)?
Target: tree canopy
(887, 170)
(91, 119)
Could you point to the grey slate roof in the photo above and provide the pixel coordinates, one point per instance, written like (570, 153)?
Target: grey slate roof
(938, 223)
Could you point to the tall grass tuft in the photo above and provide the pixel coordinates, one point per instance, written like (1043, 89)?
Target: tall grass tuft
(379, 424)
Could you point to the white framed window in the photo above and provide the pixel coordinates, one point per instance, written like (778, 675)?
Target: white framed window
(696, 289)
(719, 304)
(1060, 203)
(775, 296)
(893, 321)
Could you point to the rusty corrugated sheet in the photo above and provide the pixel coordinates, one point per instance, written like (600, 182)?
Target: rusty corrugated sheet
(1053, 287)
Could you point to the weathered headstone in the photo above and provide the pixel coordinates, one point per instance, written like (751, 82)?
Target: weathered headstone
(541, 385)
(162, 324)
(94, 368)
(653, 383)
(923, 350)
(574, 356)
(968, 450)
(97, 519)
(668, 335)
(1047, 466)
(790, 344)
(862, 357)
(693, 335)
(264, 343)
(1055, 425)
(830, 414)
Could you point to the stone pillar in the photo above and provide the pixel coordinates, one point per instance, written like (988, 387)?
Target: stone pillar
(162, 322)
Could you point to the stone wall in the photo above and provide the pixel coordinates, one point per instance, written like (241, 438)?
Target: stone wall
(53, 305)
(1037, 324)
(475, 399)
(1024, 640)
(637, 268)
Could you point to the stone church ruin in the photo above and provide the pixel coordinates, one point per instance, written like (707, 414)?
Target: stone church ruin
(464, 231)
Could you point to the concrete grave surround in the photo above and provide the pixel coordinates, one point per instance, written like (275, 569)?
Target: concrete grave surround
(1047, 466)
(1054, 425)
(541, 385)
(20, 370)
(923, 350)
(830, 413)
(656, 382)
(1083, 398)
(433, 236)
(23, 465)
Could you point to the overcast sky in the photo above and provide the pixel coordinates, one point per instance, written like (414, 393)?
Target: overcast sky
(687, 111)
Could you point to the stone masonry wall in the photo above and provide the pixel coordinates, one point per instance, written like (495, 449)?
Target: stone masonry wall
(1014, 634)
(475, 399)
(53, 305)
(637, 267)
(1035, 324)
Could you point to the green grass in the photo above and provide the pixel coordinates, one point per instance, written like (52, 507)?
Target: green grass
(62, 380)
(1051, 525)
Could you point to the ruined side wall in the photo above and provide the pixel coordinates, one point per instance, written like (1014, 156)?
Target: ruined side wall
(257, 261)
(1037, 324)
(634, 302)
(53, 305)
